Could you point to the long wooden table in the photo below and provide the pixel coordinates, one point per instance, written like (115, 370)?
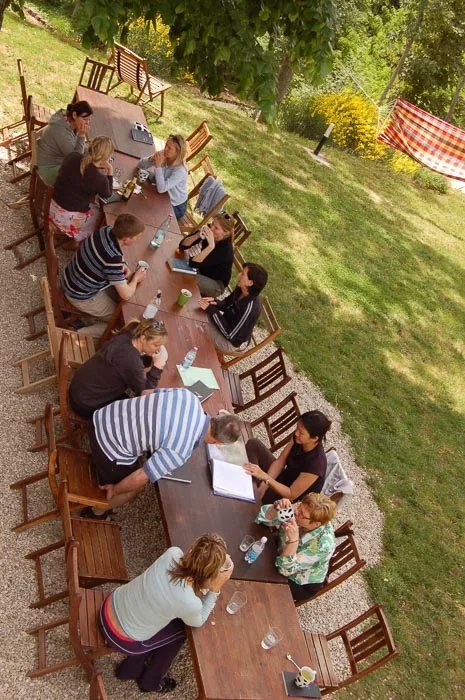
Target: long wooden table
(228, 658)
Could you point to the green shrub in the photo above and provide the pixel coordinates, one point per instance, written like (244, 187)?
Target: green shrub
(424, 177)
(152, 44)
(296, 114)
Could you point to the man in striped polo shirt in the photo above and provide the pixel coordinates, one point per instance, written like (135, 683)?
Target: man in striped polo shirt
(98, 270)
(168, 424)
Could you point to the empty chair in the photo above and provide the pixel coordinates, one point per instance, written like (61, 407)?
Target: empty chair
(264, 379)
(96, 75)
(368, 645)
(205, 168)
(198, 139)
(279, 422)
(241, 232)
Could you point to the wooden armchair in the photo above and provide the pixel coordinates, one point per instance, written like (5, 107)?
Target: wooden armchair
(85, 636)
(367, 649)
(241, 232)
(96, 75)
(97, 689)
(345, 562)
(280, 421)
(100, 556)
(133, 70)
(266, 378)
(272, 327)
(198, 139)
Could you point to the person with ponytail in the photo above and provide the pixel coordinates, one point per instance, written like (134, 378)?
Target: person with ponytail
(80, 180)
(66, 132)
(301, 466)
(133, 359)
(145, 618)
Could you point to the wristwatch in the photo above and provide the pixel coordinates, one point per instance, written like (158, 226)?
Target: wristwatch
(267, 482)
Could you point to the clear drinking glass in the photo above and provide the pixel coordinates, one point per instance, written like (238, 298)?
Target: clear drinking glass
(238, 600)
(246, 543)
(272, 638)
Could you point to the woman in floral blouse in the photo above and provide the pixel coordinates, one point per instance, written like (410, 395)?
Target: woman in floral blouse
(306, 543)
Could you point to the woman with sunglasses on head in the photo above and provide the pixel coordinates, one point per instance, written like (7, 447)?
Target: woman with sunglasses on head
(133, 359)
(306, 542)
(170, 172)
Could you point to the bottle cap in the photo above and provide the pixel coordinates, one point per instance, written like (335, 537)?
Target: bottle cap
(195, 347)
(263, 539)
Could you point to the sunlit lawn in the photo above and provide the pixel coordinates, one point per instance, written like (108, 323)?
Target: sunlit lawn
(367, 281)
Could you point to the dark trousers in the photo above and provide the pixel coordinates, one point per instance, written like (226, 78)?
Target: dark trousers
(180, 210)
(149, 661)
(258, 453)
(108, 472)
(303, 592)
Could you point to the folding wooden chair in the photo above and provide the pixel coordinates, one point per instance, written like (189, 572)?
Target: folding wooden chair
(367, 649)
(265, 379)
(189, 223)
(280, 421)
(133, 70)
(198, 139)
(268, 319)
(96, 75)
(241, 232)
(97, 689)
(85, 636)
(100, 555)
(344, 563)
(205, 168)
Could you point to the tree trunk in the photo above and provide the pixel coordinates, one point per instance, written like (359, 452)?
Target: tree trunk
(455, 99)
(283, 82)
(3, 5)
(412, 36)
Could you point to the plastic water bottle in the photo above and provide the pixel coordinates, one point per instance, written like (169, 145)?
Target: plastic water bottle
(256, 549)
(152, 307)
(189, 359)
(162, 230)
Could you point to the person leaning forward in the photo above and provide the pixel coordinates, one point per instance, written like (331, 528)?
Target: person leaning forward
(167, 424)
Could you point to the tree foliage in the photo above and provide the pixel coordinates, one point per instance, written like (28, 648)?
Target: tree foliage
(234, 39)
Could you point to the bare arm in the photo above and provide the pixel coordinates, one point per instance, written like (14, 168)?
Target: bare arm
(134, 481)
(126, 291)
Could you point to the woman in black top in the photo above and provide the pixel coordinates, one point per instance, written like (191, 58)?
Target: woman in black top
(210, 250)
(301, 466)
(133, 359)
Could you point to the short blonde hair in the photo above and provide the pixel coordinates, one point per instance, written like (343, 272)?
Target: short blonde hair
(100, 148)
(322, 508)
(201, 563)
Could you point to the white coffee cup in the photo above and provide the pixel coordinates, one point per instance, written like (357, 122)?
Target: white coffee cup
(143, 175)
(285, 514)
(305, 676)
(143, 264)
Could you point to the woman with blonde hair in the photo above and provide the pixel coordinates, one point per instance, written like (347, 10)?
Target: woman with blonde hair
(146, 617)
(170, 172)
(80, 179)
(133, 359)
(306, 542)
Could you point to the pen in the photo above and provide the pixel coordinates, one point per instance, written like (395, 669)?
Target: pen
(173, 478)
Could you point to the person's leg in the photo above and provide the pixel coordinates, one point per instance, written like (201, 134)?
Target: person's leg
(303, 592)
(258, 453)
(169, 641)
(180, 210)
(220, 341)
(209, 287)
(88, 223)
(132, 667)
(102, 306)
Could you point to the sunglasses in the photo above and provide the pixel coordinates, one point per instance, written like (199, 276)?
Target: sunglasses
(173, 137)
(158, 324)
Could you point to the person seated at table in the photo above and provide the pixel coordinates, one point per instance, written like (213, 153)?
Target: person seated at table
(210, 251)
(96, 278)
(301, 466)
(170, 172)
(66, 132)
(305, 544)
(119, 365)
(168, 424)
(80, 180)
(146, 617)
(233, 319)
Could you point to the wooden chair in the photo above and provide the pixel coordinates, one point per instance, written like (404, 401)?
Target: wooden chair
(96, 75)
(204, 166)
(345, 562)
(97, 689)
(367, 649)
(85, 636)
(198, 139)
(75, 426)
(280, 421)
(189, 223)
(133, 70)
(241, 232)
(266, 378)
(100, 555)
(272, 327)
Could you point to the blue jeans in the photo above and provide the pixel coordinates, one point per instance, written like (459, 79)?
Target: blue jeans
(180, 210)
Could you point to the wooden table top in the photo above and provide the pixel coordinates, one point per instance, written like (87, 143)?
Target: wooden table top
(115, 118)
(229, 659)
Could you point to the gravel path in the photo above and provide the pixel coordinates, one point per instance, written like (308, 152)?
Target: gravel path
(141, 528)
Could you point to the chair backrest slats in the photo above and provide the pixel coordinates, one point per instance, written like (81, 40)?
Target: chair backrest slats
(287, 413)
(241, 232)
(198, 139)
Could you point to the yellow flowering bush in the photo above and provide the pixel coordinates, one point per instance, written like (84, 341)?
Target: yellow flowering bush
(402, 163)
(153, 44)
(356, 122)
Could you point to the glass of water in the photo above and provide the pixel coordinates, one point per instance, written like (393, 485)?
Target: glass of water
(272, 638)
(238, 600)
(246, 543)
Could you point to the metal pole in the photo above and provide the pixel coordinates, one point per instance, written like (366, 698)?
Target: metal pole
(324, 139)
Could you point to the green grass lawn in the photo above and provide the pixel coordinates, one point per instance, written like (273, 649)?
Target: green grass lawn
(367, 280)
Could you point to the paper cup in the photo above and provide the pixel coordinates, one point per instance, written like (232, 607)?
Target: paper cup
(184, 296)
(305, 676)
(143, 175)
(143, 264)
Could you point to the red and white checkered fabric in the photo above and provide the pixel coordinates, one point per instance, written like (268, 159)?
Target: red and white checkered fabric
(427, 139)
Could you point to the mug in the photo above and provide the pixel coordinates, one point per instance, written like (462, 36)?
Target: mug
(285, 514)
(305, 676)
(144, 265)
(184, 296)
(143, 175)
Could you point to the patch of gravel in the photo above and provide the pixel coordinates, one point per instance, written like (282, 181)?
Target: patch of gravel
(140, 521)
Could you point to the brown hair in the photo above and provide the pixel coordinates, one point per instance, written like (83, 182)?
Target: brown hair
(100, 148)
(226, 222)
(322, 508)
(127, 226)
(181, 149)
(202, 562)
(148, 327)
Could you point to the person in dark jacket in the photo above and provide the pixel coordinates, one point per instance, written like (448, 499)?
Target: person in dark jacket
(233, 319)
(210, 251)
(133, 359)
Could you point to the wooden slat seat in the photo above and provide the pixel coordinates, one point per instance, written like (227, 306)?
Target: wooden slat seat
(321, 662)
(280, 421)
(83, 487)
(265, 378)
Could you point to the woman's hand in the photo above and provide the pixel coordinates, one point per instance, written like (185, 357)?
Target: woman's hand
(218, 582)
(282, 503)
(160, 358)
(158, 158)
(254, 470)
(206, 301)
(209, 236)
(292, 531)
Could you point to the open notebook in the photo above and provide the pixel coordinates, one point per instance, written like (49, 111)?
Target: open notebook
(232, 481)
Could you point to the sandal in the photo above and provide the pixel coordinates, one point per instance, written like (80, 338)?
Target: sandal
(90, 515)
